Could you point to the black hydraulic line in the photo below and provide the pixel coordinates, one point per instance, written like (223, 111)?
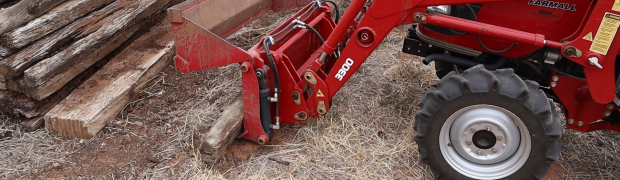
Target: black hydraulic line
(290, 24)
(335, 7)
(475, 16)
(274, 69)
(315, 33)
(265, 111)
(463, 62)
(494, 51)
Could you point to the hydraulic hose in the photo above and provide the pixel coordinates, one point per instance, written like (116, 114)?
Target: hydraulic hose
(335, 7)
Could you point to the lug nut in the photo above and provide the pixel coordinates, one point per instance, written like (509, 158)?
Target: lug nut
(488, 128)
(607, 113)
(571, 121)
(494, 150)
(479, 152)
(610, 106)
(499, 138)
(473, 130)
(468, 142)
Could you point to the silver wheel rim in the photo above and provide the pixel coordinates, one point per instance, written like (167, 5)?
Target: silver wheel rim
(498, 160)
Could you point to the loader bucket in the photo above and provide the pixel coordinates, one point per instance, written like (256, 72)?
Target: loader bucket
(200, 27)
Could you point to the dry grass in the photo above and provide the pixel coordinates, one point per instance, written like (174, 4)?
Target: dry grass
(366, 135)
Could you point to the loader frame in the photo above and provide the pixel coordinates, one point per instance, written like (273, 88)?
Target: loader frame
(311, 72)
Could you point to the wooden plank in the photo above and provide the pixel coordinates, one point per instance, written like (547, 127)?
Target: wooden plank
(54, 19)
(13, 66)
(32, 124)
(49, 75)
(24, 11)
(84, 113)
(222, 133)
(4, 4)
(3, 85)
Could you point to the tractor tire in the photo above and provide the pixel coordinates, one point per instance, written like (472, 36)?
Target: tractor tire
(485, 124)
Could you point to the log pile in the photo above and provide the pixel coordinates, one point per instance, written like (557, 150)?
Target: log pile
(48, 48)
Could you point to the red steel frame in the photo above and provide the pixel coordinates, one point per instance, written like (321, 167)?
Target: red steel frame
(305, 70)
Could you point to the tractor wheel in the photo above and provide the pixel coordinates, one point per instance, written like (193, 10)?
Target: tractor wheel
(487, 125)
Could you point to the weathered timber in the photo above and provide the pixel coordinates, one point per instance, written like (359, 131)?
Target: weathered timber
(32, 124)
(7, 3)
(85, 112)
(24, 11)
(3, 85)
(54, 19)
(222, 133)
(14, 65)
(49, 75)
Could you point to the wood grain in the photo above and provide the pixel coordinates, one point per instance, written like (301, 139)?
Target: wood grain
(51, 21)
(223, 133)
(84, 113)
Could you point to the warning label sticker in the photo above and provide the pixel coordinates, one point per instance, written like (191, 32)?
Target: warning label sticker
(588, 36)
(616, 6)
(605, 34)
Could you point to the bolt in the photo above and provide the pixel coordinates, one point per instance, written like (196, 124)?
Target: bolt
(295, 95)
(499, 138)
(570, 51)
(607, 113)
(479, 152)
(610, 106)
(468, 142)
(243, 68)
(579, 123)
(473, 130)
(419, 17)
(348, 31)
(494, 150)
(555, 78)
(259, 74)
(553, 84)
(262, 139)
(571, 121)
(488, 128)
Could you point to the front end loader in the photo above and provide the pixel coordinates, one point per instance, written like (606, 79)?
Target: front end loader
(503, 64)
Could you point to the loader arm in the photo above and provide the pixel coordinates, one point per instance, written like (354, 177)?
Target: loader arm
(292, 75)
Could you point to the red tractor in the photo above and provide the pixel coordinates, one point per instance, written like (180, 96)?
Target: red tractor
(503, 65)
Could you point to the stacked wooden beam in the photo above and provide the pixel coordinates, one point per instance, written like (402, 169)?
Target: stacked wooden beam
(49, 47)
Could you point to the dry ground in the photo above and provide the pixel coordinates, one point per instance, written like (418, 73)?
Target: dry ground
(368, 133)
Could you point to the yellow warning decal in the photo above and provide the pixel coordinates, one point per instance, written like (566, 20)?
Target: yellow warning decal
(616, 6)
(605, 34)
(320, 94)
(588, 36)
